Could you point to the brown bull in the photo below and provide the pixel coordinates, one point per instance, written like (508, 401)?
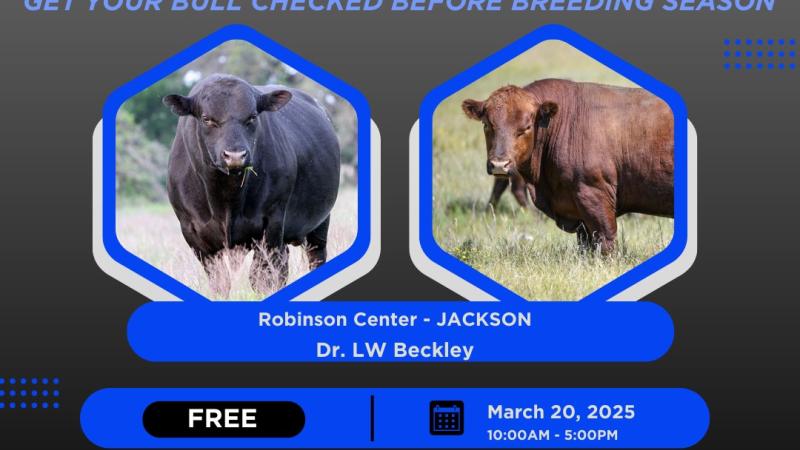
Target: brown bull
(590, 152)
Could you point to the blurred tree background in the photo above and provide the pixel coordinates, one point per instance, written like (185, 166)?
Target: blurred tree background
(145, 127)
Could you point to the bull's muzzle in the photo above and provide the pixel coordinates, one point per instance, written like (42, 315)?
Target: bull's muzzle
(234, 159)
(498, 167)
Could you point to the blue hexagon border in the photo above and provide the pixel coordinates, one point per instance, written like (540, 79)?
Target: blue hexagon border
(234, 32)
(553, 32)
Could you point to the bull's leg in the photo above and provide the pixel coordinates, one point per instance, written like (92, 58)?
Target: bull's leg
(500, 186)
(236, 258)
(270, 269)
(577, 227)
(219, 280)
(598, 214)
(520, 190)
(317, 249)
(584, 239)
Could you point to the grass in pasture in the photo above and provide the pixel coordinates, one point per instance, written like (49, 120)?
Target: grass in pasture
(522, 249)
(152, 232)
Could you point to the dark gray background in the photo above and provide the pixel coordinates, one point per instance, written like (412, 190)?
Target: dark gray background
(736, 311)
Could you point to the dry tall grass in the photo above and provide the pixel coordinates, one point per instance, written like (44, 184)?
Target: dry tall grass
(152, 232)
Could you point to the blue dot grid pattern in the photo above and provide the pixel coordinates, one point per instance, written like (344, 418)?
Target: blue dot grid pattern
(761, 54)
(29, 393)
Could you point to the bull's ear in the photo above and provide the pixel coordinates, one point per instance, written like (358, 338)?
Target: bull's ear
(474, 109)
(180, 105)
(546, 112)
(273, 101)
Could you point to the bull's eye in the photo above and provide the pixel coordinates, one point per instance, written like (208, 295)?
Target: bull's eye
(524, 131)
(211, 123)
(251, 120)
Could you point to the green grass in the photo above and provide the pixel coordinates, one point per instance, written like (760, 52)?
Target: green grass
(522, 249)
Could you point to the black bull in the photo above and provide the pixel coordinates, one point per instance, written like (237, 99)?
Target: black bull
(254, 167)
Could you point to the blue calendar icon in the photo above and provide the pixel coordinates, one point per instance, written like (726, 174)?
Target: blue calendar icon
(446, 417)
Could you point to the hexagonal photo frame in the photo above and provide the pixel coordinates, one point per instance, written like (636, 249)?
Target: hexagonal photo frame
(454, 271)
(133, 270)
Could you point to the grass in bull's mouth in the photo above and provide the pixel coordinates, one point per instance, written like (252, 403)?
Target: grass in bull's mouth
(522, 249)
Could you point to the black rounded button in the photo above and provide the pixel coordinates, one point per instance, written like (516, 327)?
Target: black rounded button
(224, 419)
